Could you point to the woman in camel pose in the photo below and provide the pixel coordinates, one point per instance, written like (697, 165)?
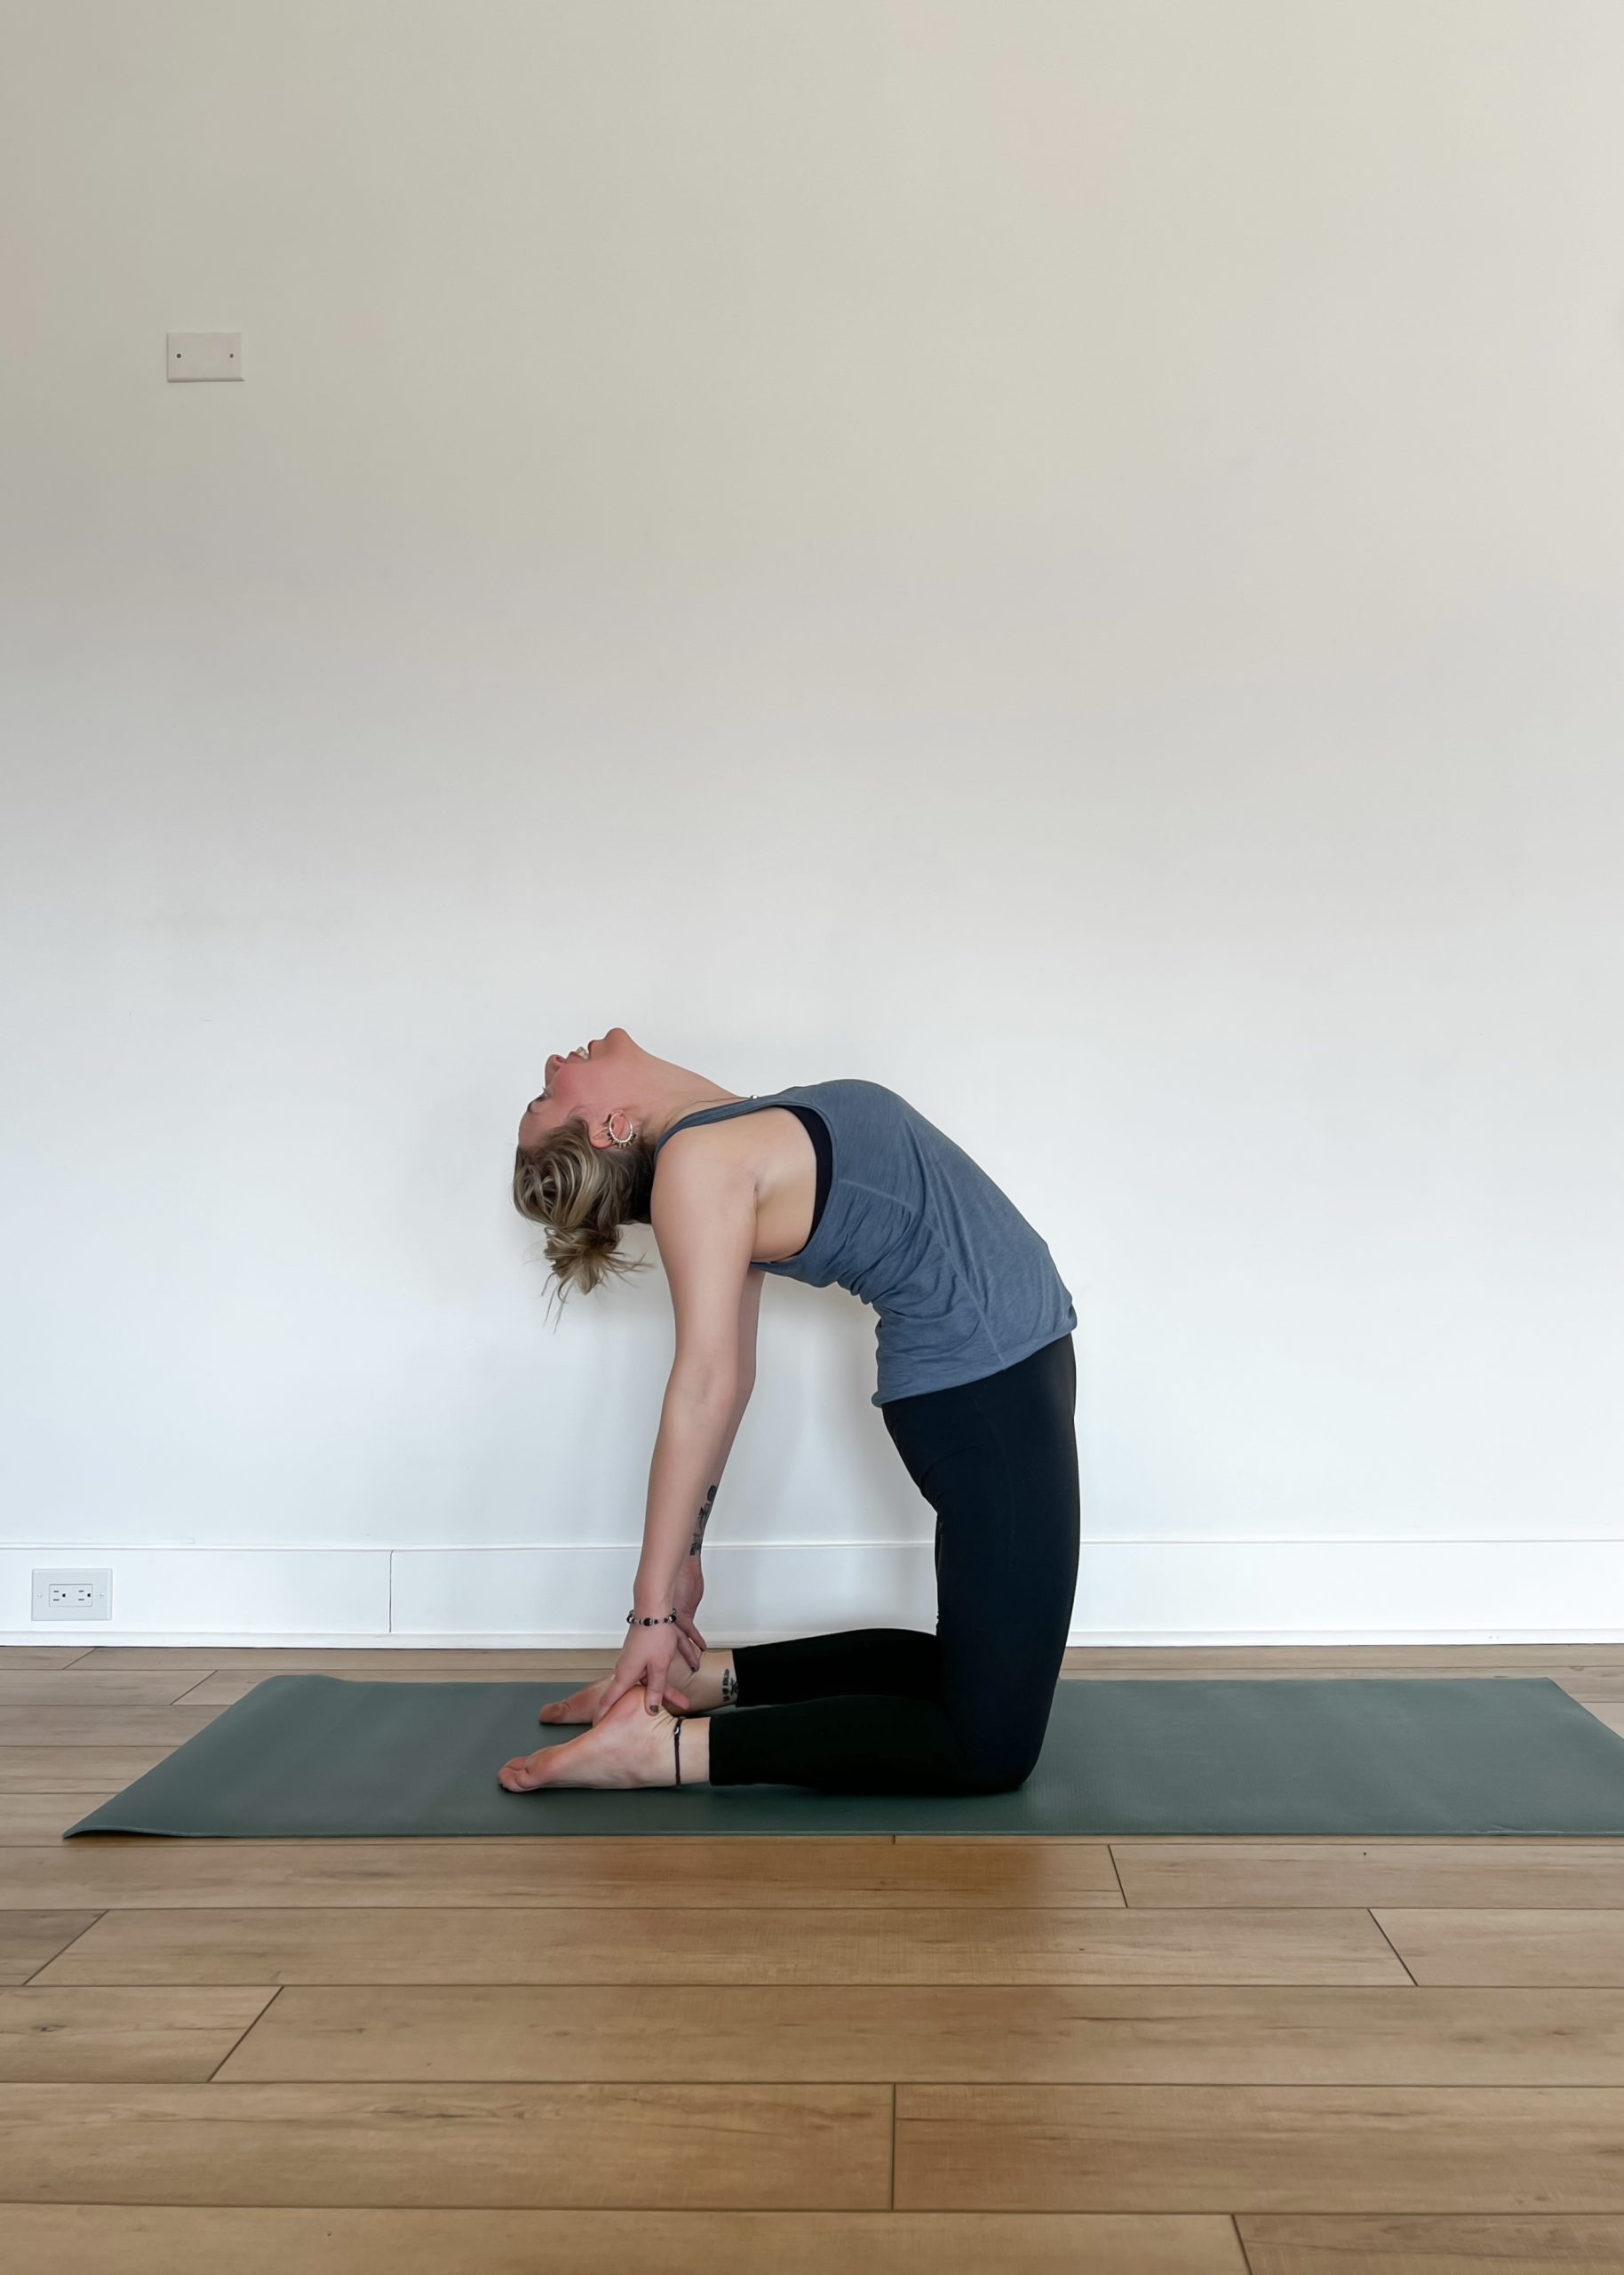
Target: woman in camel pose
(836, 1181)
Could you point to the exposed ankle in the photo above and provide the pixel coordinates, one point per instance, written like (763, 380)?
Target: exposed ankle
(713, 1682)
(691, 1748)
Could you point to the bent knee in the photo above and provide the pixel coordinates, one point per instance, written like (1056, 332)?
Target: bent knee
(997, 1768)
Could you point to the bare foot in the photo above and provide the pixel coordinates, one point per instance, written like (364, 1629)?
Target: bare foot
(630, 1746)
(707, 1686)
(582, 1705)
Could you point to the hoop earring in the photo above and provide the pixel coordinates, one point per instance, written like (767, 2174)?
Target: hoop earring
(621, 1143)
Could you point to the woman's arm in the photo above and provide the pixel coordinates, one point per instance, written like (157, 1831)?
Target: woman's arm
(691, 1580)
(696, 1426)
(703, 1217)
(749, 1312)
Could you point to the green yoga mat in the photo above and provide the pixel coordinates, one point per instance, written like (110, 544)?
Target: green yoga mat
(315, 1756)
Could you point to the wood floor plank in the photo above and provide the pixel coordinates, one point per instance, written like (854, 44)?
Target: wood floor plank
(175, 2034)
(1257, 1661)
(381, 1665)
(940, 1944)
(83, 1726)
(221, 1686)
(1260, 2148)
(682, 2146)
(1139, 2052)
(1186, 1669)
(134, 2240)
(224, 1686)
(1482, 1871)
(84, 1686)
(37, 1820)
(1418, 2243)
(28, 1939)
(1509, 1947)
(76, 1768)
(1254, 1661)
(105, 1869)
(1592, 1690)
(1010, 2033)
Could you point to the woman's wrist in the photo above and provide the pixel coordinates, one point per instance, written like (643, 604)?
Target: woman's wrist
(648, 1602)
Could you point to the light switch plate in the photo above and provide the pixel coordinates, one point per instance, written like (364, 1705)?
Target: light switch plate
(205, 354)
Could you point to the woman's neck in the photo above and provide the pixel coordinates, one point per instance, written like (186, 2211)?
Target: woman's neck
(685, 1098)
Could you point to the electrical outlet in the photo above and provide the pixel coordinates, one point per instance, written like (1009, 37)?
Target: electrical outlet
(73, 1595)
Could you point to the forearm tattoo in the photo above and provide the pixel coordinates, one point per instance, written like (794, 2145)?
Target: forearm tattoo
(697, 1542)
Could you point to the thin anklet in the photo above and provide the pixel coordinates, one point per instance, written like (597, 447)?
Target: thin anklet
(676, 1745)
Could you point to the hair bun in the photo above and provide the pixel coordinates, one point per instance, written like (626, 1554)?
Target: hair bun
(583, 1195)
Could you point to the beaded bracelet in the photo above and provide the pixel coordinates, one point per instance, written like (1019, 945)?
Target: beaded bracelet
(665, 1620)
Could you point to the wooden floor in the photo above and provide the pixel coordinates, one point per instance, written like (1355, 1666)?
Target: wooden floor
(777, 2057)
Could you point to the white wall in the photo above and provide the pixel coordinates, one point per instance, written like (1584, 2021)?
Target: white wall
(1069, 558)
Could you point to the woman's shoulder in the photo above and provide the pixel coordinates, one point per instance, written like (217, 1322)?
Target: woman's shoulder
(853, 1090)
(841, 1097)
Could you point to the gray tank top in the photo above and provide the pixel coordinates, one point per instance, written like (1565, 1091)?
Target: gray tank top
(963, 1285)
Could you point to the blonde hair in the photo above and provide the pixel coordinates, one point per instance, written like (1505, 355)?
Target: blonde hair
(584, 1194)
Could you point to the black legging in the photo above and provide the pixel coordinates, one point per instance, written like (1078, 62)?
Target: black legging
(891, 1709)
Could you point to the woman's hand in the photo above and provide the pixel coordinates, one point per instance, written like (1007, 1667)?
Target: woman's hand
(685, 1603)
(645, 1658)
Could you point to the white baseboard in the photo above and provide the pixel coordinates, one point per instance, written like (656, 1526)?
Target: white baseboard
(1129, 1591)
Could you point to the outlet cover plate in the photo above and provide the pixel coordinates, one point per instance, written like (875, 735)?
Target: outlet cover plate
(73, 1595)
(203, 355)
